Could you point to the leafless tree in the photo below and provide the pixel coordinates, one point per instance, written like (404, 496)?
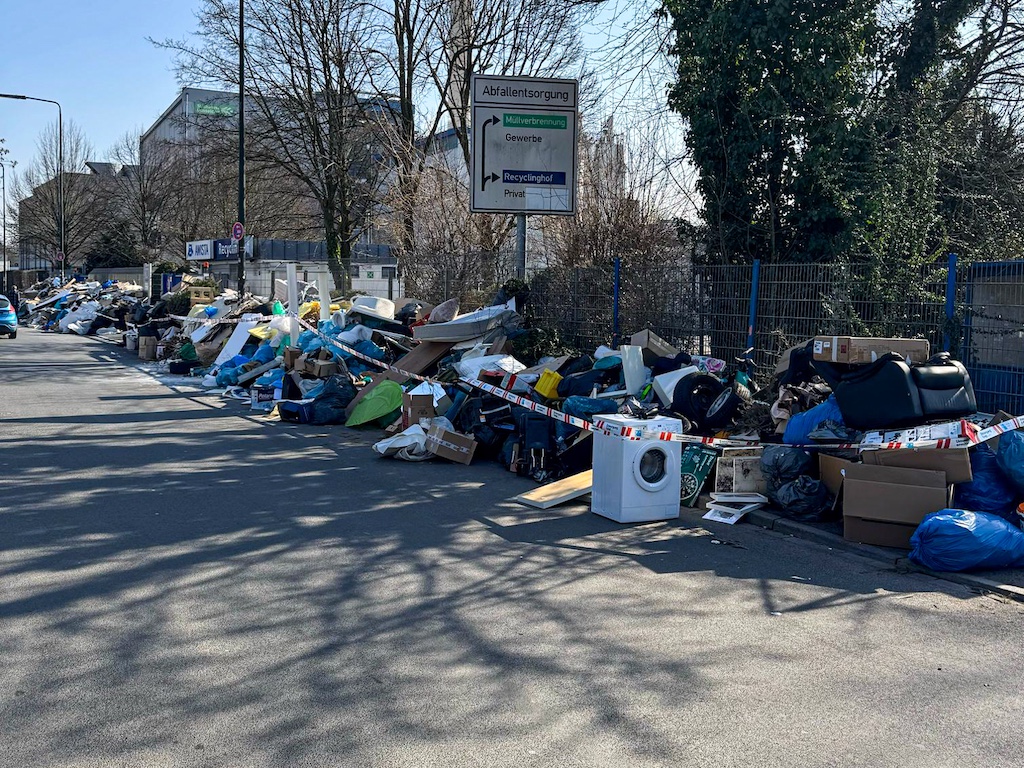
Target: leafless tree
(431, 49)
(623, 206)
(87, 198)
(307, 80)
(143, 182)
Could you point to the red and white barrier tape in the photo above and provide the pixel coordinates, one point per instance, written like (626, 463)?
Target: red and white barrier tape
(209, 320)
(969, 433)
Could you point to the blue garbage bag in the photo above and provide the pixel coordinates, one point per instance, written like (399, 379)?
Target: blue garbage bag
(271, 378)
(583, 408)
(990, 491)
(1011, 458)
(800, 426)
(228, 377)
(305, 338)
(369, 349)
(958, 540)
(264, 354)
(235, 361)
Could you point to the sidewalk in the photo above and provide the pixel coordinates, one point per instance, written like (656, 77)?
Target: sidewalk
(1008, 583)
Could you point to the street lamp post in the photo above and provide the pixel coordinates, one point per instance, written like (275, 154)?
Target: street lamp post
(3, 196)
(241, 144)
(60, 167)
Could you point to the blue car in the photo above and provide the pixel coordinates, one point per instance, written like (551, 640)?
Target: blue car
(8, 320)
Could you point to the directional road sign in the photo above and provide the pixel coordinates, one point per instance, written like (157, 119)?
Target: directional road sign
(237, 231)
(524, 137)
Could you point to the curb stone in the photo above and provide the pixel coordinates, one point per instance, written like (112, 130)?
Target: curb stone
(781, 524)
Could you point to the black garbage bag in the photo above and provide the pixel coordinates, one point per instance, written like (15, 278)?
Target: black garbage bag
(582, 384)
(781, 464)
(805, 500)
(329, 406)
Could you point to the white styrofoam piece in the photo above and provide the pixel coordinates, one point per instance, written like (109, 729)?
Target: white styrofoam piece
(238, 339)
(633, 368)
(665, 384)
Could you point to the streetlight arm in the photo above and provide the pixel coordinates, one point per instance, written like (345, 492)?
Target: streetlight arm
(60, 161)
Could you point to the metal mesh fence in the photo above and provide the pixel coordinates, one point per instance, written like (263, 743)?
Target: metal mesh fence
(978, 314)
(993, 333)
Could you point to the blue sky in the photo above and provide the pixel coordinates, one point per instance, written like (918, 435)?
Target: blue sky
(92, 57)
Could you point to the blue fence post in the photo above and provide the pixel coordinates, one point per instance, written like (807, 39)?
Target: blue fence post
(755, 281)
(615, 303)
(947, 339)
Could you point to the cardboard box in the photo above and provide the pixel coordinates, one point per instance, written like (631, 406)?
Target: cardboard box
(830, 470)
(147, 347)
(883, 505)
(652, 345)
(999, 418)
(863, 349)
(321, 369)
(954, 462)
(261, 394)
(416, 407)
(450, 445)
(291, 354)
(877, 532)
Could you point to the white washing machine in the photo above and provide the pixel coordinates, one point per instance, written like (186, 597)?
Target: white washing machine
(636, 480)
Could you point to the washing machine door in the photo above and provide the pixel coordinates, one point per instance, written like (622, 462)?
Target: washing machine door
(653, 466)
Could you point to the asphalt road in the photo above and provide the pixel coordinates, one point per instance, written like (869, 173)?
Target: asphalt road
(184, 585)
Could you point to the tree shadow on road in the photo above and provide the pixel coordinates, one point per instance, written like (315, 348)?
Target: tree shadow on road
(167, 566)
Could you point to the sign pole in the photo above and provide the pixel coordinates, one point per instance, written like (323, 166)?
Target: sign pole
(241, 143)
(521, 246)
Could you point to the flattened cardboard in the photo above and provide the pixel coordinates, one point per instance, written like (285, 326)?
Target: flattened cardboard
(450, 445)
(860, 350)
(954, 462)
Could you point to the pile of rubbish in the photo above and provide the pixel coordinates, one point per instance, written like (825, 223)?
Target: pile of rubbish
(80, 307)
(878, 435)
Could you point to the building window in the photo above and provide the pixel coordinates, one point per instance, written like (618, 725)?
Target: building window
(355, 270)
(389, 273)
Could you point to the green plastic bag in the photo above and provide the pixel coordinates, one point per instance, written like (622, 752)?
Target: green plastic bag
(188, 352)
(382, 400)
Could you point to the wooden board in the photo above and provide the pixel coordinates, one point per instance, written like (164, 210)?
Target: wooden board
(559, 492)
(426, 354)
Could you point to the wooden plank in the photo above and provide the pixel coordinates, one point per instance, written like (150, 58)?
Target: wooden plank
(426, 354)
(559, 492)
